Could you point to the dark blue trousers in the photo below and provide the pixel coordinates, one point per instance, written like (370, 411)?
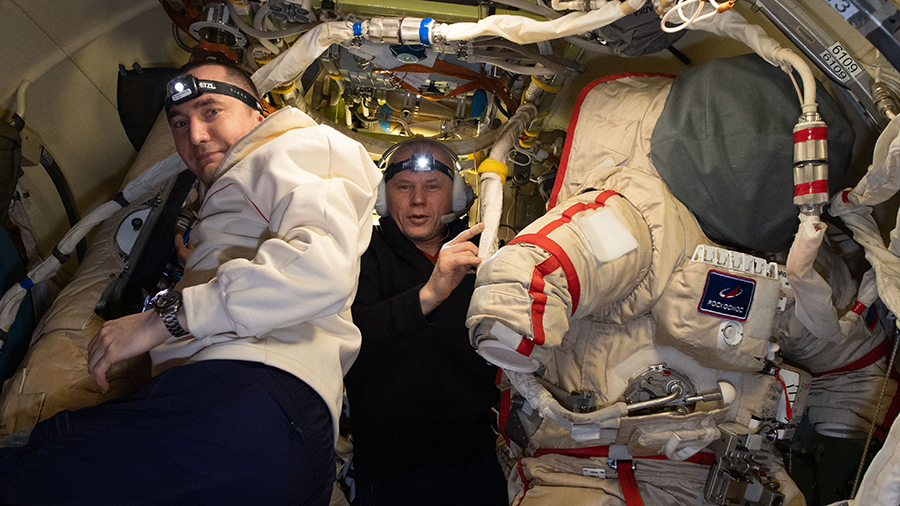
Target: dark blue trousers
(217, 432)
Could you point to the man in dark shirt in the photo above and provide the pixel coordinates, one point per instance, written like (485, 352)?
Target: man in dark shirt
(420, 396)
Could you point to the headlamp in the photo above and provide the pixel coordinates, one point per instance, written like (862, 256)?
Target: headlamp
(185, 88)
(422, 162)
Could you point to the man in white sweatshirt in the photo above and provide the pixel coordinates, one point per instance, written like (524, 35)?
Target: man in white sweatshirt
(249, 351)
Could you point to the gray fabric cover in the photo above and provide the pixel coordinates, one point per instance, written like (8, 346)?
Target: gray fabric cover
(724, 146)
(638, 33)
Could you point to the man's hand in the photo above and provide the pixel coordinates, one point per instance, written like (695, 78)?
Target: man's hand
(183, 249)
(454, 260)
(121, 339)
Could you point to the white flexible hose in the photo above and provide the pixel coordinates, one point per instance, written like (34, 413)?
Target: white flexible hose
(511, 67)
(522, 30)
(548, 407)
(291, 64)
(491, 195)
(731, 24)
(783, 55)
(9, 304)
(573, 5)
(20, 98)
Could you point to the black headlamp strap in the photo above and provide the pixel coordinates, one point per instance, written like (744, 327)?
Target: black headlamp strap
(411, 164)
(191, 88)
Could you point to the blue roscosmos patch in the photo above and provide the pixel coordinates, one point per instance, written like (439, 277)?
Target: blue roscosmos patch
(727, 296)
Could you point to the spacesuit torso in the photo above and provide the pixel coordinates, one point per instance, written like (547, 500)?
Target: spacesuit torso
(656, 370)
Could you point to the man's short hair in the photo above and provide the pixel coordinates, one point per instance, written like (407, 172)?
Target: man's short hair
(235, 74)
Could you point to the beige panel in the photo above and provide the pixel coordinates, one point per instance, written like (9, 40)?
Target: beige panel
(146, 40)
(71, 105)
(73, 25)
(25, 48)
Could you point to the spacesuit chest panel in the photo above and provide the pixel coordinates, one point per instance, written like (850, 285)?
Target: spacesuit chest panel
(719, 309)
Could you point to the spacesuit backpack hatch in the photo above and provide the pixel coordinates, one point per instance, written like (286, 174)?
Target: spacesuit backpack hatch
(643, 356)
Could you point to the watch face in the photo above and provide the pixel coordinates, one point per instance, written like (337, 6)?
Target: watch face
(167, 299)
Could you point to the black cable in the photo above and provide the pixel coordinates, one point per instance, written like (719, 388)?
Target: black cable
(65, 194)
(510, 227)
(678, 54)
(178, 40)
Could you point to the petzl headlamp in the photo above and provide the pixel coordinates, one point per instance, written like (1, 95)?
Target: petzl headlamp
(185, 88)
(423, 162)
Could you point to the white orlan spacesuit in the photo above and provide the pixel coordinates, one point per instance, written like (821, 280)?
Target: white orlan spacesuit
(619, 302)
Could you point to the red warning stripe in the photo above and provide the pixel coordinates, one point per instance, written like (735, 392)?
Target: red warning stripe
(811, 134)
(503, 415)
(817, 186)
(789, 412)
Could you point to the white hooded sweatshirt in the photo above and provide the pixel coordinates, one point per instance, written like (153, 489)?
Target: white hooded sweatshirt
(276, 257)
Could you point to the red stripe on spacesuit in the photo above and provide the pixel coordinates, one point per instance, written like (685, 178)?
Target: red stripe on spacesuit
(539, 298)
(559, 254)
(526, 346)
(858, 308)
(503, 415)
(845, 196)
(558, 258)
(574, 209)
(628, 484)
(525, 483)
(787, 398)
(541, 240)
(865, 361)
(570, 132)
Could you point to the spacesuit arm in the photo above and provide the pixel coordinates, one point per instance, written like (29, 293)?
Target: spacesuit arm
(582, 256)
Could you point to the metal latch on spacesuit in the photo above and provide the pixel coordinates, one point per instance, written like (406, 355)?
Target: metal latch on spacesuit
(736, 479)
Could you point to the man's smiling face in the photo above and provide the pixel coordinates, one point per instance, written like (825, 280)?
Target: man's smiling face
(206, 127)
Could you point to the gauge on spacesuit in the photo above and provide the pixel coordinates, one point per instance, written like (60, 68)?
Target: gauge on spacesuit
(657, 382)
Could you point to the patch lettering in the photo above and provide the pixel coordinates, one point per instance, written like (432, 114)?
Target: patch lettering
(727, 296)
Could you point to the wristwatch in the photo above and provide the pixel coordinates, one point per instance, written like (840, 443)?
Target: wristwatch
(166, 304)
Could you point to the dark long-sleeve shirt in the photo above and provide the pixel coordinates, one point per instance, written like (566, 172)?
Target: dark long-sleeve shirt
(418, 390)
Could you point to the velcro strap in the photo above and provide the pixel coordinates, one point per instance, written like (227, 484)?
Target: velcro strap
(63, 258)
(121, 200)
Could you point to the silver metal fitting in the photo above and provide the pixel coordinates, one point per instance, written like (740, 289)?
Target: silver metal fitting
(885, 100)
